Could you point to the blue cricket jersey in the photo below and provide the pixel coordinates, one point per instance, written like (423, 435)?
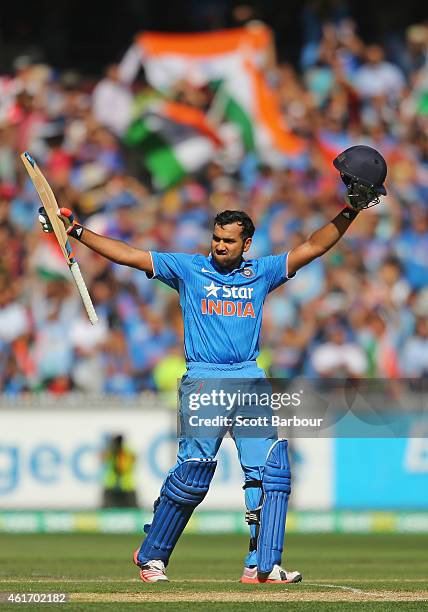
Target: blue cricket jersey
(222, 312)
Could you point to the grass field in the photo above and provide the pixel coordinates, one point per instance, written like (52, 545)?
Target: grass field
(364, 572)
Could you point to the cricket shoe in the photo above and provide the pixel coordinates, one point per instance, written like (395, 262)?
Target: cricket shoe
(152, 571)
(278, 574)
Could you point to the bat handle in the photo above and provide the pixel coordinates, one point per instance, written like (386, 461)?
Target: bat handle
(87, 302)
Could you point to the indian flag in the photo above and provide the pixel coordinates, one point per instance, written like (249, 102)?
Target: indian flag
(197, 58)
(234, 62)
(174, 140)
(49, 261)
(245, 98)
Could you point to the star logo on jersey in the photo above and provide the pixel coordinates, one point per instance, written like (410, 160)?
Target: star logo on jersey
(212, 290)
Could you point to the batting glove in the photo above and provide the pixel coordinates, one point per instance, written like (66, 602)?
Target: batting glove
(72, 228)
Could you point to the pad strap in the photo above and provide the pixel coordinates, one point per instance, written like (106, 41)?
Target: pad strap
(252, 517)
(253, 544)
(253, 484)
(183, 490)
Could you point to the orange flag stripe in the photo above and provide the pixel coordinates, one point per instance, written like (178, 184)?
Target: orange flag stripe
(268, 112)
(182, 113)
(205, 43)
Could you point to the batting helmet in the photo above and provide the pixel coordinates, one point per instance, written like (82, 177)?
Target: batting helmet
(363, 164)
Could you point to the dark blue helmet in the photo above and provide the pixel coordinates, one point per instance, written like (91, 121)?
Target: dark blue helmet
(364, 165)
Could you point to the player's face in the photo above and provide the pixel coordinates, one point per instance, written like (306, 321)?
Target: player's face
(227, 245)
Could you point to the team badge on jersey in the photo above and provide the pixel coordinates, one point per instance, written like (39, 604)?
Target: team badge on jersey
(247, 272)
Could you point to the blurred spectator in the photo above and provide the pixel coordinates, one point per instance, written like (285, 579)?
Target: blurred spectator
(415, 352)
(53, 351)
(149, 341)
(379, 343)
(117, 365)
(412, 247)
(112, 101)
(377, 77)
(395, 286)
(88, 341)
(413, 56)
(338, 357)
(14, 319)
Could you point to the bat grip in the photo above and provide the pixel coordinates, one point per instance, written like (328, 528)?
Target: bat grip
(87, 302)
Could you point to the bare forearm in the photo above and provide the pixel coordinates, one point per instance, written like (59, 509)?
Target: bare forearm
(318, 243)
(323, 239)
(117, 251)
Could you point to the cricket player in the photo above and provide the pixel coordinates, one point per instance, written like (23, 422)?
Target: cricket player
(222, 298)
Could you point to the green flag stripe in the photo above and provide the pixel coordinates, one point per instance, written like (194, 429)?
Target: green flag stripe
(157, 155)
(235, 114)
(163, 164)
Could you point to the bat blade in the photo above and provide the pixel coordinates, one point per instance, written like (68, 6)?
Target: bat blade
(50, 204)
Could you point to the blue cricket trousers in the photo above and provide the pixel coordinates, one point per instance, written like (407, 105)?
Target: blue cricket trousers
(252, 451)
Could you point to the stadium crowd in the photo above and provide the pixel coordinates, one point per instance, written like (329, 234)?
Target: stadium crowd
(362, 310)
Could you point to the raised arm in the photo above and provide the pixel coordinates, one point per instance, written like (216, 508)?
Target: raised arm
(115, 250)
(318, 243)
(363, 170)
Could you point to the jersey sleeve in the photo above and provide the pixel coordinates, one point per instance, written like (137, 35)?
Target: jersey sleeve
(275, 270)
(170, 268)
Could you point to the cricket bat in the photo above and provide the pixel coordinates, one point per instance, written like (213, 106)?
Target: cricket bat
(50, 204)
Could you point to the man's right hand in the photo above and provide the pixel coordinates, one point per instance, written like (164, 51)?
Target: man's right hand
(67, 217)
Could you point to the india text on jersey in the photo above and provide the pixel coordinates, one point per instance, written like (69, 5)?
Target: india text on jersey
(228, 308)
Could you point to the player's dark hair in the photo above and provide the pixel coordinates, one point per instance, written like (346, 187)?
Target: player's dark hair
(226, 217)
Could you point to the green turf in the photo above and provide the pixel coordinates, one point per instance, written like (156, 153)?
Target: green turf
(100, 564)
(235, 607)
